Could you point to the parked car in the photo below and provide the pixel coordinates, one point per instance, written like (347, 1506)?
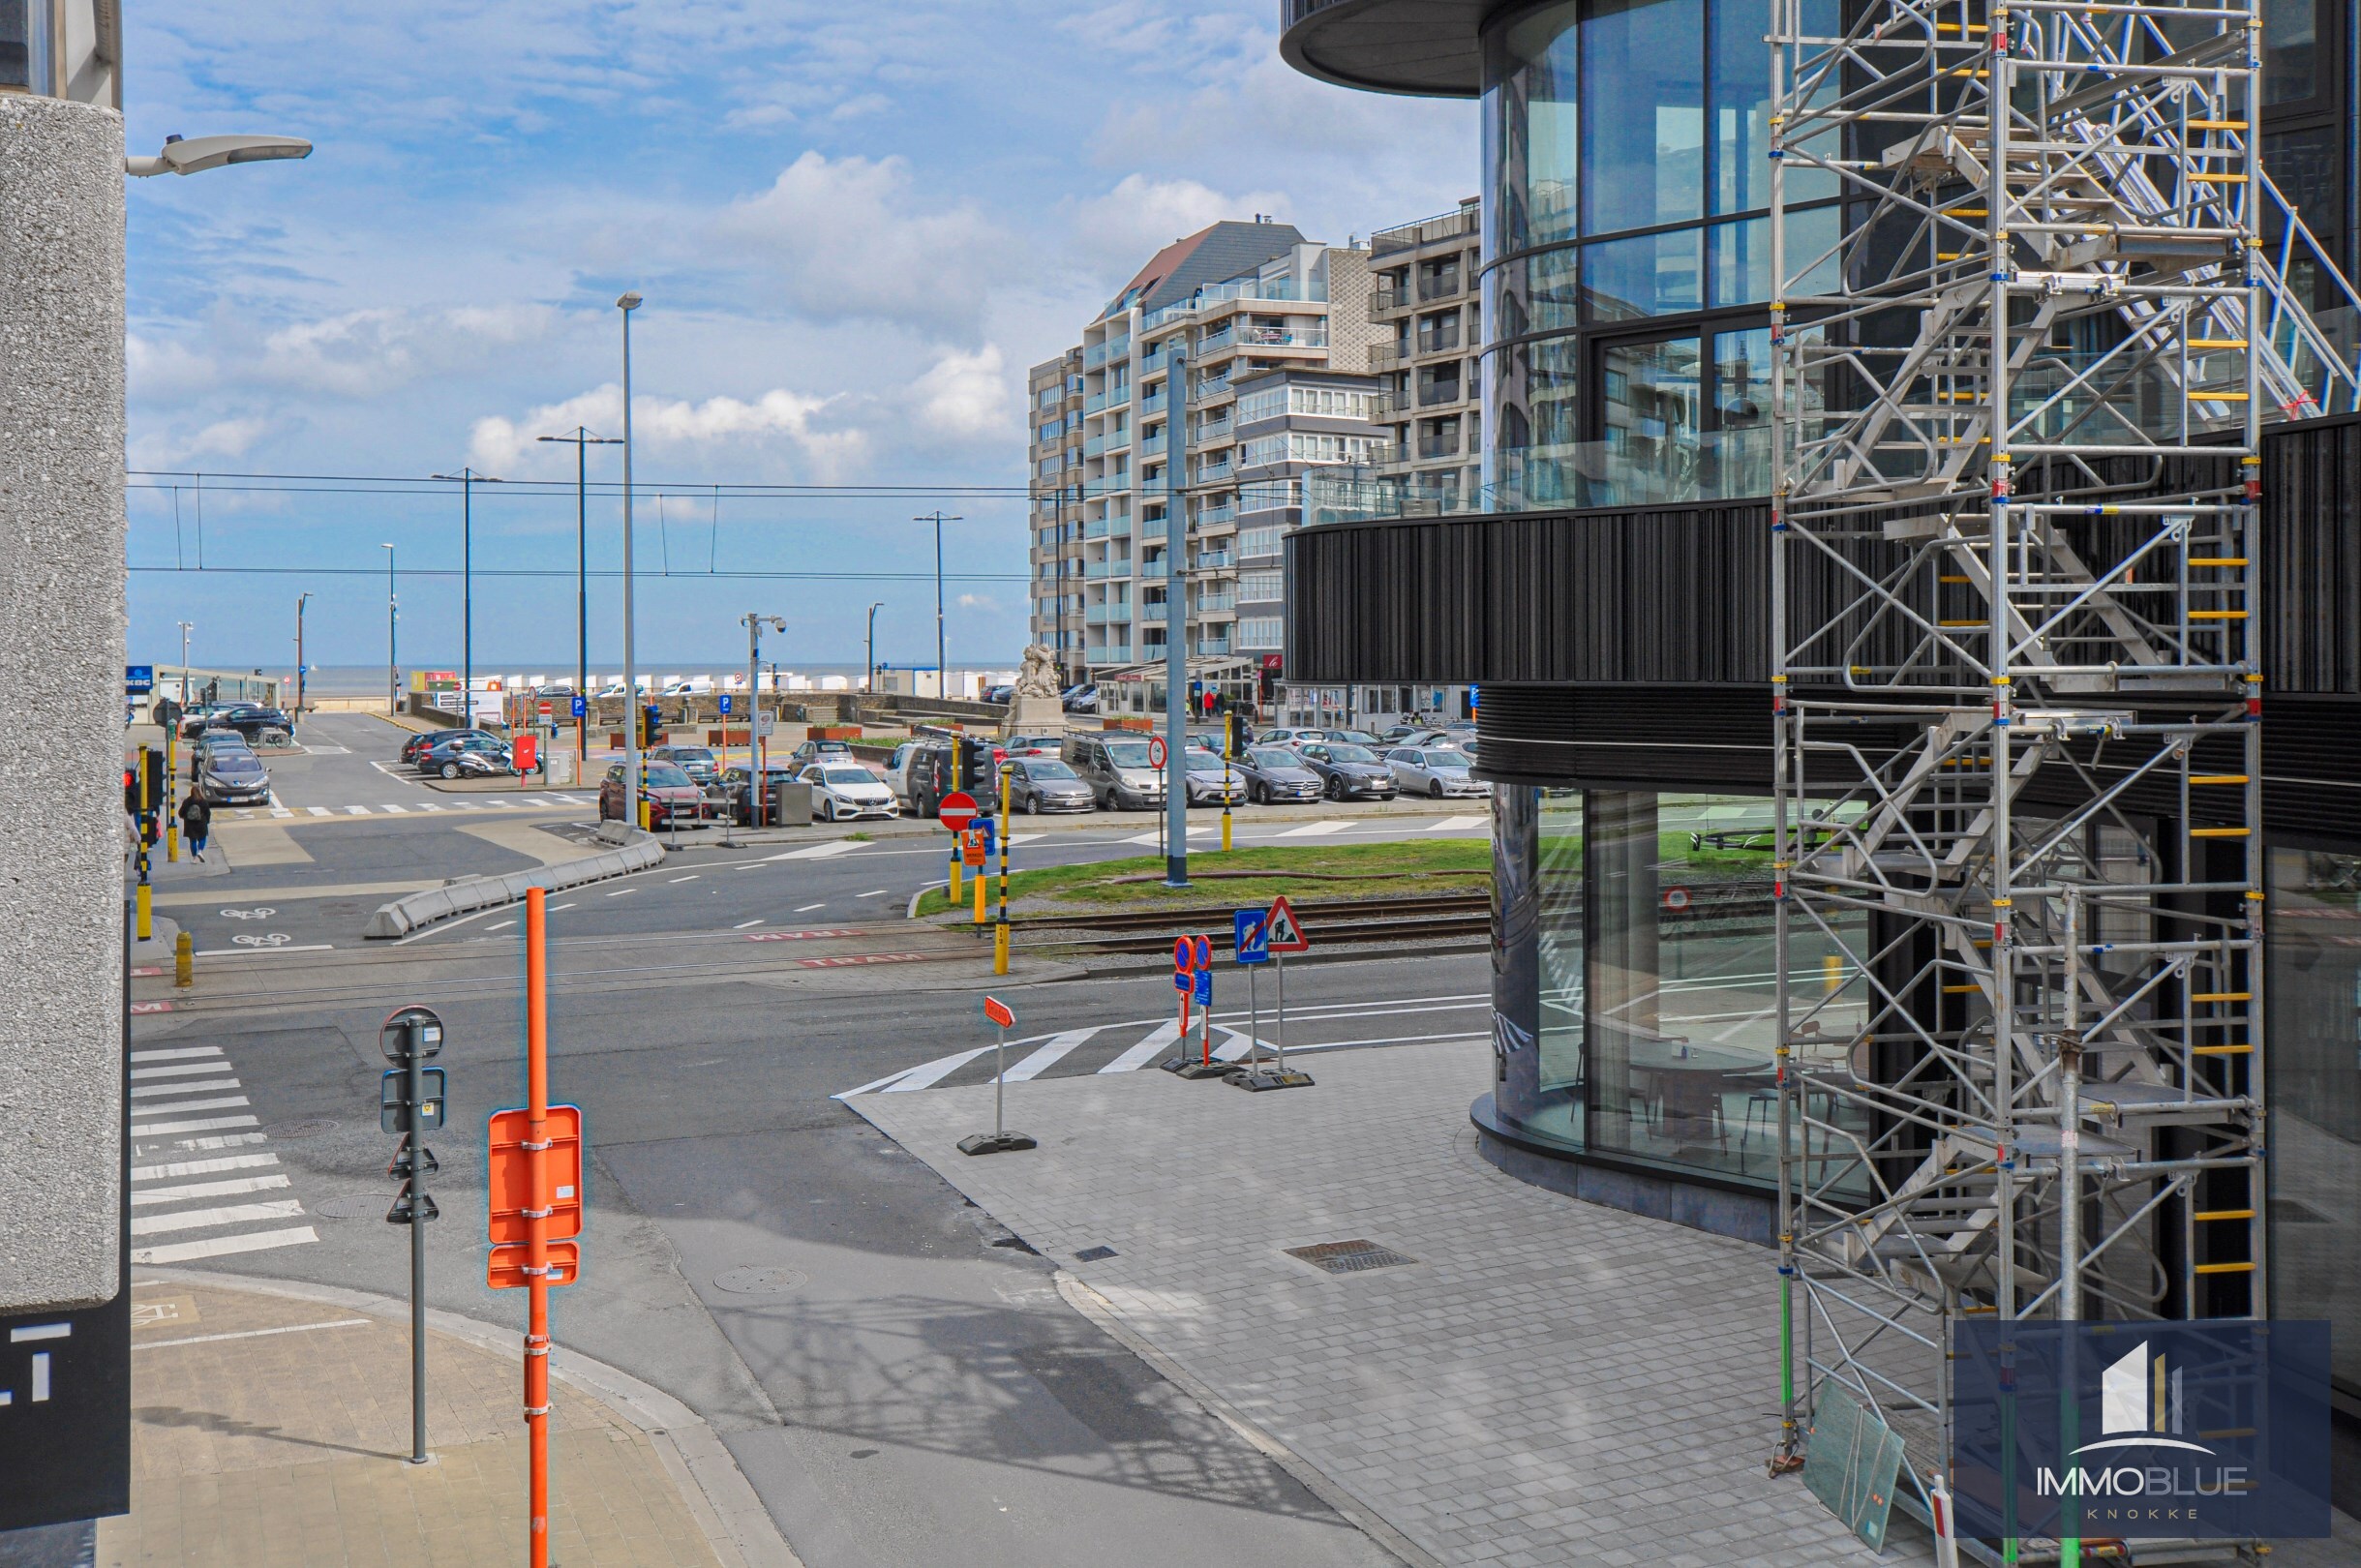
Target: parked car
(1456, 739)
(1211, 779)
(1275, 773)
(1000, 691)
(210, 743)
(467, 756)
(1432, 770)
(668, 791)
(845, 790)
(898, 768)
(233, 775)
(697, 762)
(1081, 700)
(195, 717)
(426, 738)
(811, 751)
(260, 726)
(1032, 746)
(1117, 769)
(1355, 737)
(1289, 738)
(737, 795)
(1047, 784)
(1347, 771)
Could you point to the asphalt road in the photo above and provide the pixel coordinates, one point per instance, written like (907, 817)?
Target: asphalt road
(907, 1388)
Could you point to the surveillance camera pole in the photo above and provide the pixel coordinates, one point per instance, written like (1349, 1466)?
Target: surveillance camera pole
(942, 670)
(1176, 621)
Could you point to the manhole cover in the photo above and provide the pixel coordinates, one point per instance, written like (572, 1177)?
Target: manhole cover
(353, 1205)
(1094, 1255)
(294, 1131)
(1349, 1257)
(752, 1281)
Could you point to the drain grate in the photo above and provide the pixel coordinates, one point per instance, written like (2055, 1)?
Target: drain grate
(1349, 1257)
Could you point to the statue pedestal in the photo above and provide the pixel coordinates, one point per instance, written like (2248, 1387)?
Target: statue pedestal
(1033, 715)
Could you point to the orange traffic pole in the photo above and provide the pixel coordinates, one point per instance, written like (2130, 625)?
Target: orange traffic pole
(536, 1243)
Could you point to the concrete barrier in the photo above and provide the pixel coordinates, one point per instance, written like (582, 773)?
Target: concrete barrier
(637, 852)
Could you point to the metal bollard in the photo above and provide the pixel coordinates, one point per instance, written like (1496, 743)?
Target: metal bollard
(1000, 948)
(184, 961)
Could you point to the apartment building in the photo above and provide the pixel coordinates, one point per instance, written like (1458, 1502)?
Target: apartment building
(1424, 303)
(1119, 442)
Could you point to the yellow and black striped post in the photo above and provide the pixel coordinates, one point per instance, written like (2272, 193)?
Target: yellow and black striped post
(1000, 928)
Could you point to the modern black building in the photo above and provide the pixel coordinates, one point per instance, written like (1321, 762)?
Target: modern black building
(1613, 604)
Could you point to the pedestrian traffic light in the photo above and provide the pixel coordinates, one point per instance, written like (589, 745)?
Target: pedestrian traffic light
(975, 765)
(130, 792)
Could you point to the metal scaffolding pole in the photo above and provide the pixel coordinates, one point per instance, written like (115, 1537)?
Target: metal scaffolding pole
(2018, 413)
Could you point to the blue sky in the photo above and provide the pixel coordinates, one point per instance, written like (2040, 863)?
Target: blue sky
(855, 225)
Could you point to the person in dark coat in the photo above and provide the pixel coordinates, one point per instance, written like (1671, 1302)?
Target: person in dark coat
(196, 820)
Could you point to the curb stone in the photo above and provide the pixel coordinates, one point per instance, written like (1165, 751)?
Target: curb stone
(711, 1487)
(404, 915)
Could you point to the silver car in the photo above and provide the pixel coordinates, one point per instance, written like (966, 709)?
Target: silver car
(233, 775)
(1275, 774)
(1432, 770)
(1037, 784)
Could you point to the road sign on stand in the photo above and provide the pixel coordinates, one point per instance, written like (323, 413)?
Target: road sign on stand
(1253, 936)
(958, 810)
(396, 1113)
(999, 1140)
(1192, 978)
(1282, 932)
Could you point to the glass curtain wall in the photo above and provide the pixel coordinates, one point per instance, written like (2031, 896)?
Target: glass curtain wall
(1627, 269)
(1650, 926)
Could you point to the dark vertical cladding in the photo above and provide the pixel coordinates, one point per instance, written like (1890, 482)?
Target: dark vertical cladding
(1670, 596)
(2311, 556)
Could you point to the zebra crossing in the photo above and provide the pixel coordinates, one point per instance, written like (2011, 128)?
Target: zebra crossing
(203, 1183)
(1133, 1044)
(481, 802)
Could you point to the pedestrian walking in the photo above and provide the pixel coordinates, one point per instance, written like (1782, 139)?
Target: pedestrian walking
(196, 820)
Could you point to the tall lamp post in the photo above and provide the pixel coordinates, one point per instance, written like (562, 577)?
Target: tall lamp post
(185, 628)
(756, 795)
(467, 479)
(583, 440)
(868, 683)
(300, 600)
(626, 304)
(1176, 625)
(393, 658)
(942, 672)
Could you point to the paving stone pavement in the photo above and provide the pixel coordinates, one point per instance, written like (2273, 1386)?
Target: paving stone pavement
(268, 1431)
(1548, 1383)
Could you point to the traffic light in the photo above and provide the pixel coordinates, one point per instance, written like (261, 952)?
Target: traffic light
(130, 792)
(651, 725)
(151, 780)
(975, 765)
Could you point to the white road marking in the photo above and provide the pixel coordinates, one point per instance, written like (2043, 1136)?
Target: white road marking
(928, 1074)
(1315, 830)
(429, 805)
(220, 1140)
(394, 808)
(257, 952)
(1048, 1056)
(232, 1214)
(873, 892)
(821, 851)
(620, 892)
(255, 1241)
(174, 1054)
(319, 811)
(808, 908)
(501, 926)
(1166, 1034)
(554, 907)
(1015, 839)
(221, 1103)
(253, 1334)
(204, 1189)
(1448, 824)
(691, 877)
(742, 924)
(277, 810)
(149, 1090)
(357, 811)
(201, 1167)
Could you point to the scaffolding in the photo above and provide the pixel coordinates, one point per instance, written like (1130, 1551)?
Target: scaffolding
(2033, 307)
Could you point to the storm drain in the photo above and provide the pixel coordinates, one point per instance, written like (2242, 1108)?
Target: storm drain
(1348, 1257)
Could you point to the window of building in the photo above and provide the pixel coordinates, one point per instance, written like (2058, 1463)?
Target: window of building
(1256, 585)
(2290, 51)
(1269, 495)
(1262, 402)
(1262, 541)
(1261, 631)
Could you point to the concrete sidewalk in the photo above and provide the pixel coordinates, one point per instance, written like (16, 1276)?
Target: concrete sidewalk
(272, 1431)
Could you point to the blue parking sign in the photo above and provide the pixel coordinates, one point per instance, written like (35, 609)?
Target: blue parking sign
(1253, 936)
(1205, 987)
(582, 704)
(725, 704)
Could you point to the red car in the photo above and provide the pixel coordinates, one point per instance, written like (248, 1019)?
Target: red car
(667, 790)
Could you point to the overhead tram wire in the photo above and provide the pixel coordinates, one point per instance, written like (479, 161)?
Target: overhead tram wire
(530, 571)
(401, 484)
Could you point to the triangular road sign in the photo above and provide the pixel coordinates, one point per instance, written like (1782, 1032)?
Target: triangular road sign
(1283, 931)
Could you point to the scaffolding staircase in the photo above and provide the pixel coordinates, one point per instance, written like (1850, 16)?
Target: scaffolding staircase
(2014, 569)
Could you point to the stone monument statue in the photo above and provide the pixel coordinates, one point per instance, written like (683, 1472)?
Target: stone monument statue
(1034, 707)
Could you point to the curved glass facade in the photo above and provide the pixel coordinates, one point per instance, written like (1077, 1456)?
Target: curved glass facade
(1628, 252)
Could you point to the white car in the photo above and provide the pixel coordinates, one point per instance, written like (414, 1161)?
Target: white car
(842, 789)
(1432, 770)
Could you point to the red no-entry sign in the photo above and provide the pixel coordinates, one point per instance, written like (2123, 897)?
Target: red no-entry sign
(958, 810)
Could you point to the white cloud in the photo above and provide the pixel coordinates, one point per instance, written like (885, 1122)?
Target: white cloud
(1141, 215)
(977, 601)
(777, 418)
(851, 237)
(968, 396)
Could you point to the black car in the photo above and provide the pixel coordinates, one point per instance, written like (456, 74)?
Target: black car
(426, 738)
(260, 726)
(737, 792)
(1349, 771)
(1047, 784)
(1275, 774)
(466, 756)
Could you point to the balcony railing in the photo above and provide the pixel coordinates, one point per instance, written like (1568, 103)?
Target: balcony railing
(1217, 604)
(1425, 231)
(1109, 653)
(1154, 403)
(1212, 389)
(1384, 356)
(1223, 293)
(1153, 446)
(1385, 302)
(1098, 353)
(1209, 560)
(1433, 341)
(1106, 568)
(1213, 648)
(1108, 615)
(1213, 468)
(1214, 517)
(1437, 446)
(1432, 393)
(1217, 430)
(1152, 571)
(1442, 286)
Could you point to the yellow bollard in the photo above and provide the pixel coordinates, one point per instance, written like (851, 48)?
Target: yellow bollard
(1225, 826)
(955, 873)
(1831, 973)
(1000, 948)
(982, 886)
(146, 927)
(184, 961)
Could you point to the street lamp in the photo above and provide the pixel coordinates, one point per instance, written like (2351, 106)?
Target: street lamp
(755, 622)
(868, 683)
(1177, 623)
(185, 628)
(393, 662)
(942, 670)
(626, 304)
(583, 440)
(467, 479)
(300, 600)
(182, 156)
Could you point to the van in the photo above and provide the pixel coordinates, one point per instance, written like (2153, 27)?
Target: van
(1117, 769)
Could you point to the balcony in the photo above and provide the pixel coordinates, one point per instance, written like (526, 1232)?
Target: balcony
(1098, 353)
(1153, 571)
(1155, 403)
(1117, 525)
(1439, 340)
(1093, 570)
(1437, 446)
(1153, 446)
(1210, 560)
(1440, 285)
(1218, 604)
(1108, 615)
(1384, 356)
(1435, 230)
(1094, 403)
(1114, 440)
(1213, 648)
(1215, 517)
(1385, 303)
(1213, 468)
(1434, 393)
(1109, 653)
(1209, 432)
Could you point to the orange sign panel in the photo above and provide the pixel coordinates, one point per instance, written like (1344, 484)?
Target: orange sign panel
(510, 1174)
(972, 851)
(505, 1266)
